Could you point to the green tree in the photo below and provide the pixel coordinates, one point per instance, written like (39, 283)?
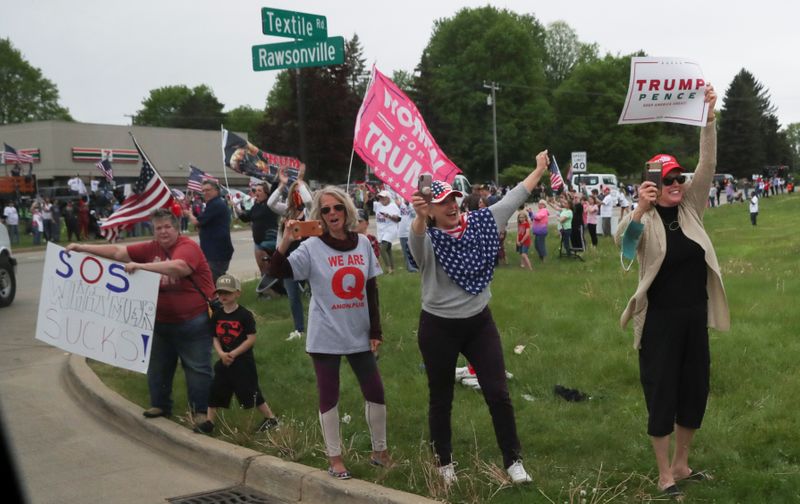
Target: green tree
(181, 107)
(25, 94)
(245, 119)
(473, 47)
(792, 134)
(405, 81)
(749, 137)
(563, 51)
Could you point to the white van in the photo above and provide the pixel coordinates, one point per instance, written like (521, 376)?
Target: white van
(461, 183)
(590, 181)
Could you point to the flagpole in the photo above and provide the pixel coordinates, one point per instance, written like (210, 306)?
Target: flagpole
(353, 149)
(152, 166)
(224, 167)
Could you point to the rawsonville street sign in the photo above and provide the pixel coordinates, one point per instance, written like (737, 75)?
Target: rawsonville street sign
(296, 25)
(305, 53)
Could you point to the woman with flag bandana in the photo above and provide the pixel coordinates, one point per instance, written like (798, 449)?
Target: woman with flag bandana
(456, 254)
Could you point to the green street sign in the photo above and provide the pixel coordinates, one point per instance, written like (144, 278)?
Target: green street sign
(296, 25)
(306, 53)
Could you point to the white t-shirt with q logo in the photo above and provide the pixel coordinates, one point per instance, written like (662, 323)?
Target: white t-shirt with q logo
(338, 317)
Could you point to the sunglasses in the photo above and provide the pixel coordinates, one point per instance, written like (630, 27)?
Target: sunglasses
(327, 209)
(670, 180)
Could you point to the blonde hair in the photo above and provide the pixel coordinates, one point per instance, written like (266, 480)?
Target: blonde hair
(351, 214)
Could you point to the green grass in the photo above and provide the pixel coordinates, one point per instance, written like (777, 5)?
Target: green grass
(566, 314)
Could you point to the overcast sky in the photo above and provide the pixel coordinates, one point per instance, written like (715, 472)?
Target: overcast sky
(106, 55)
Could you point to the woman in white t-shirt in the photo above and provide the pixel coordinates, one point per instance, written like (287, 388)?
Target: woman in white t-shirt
(343, 316)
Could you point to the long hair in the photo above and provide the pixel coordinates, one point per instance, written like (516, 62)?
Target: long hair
(351, 214)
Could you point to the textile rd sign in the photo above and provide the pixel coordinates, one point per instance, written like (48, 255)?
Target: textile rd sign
(298, 54)
(296, 25)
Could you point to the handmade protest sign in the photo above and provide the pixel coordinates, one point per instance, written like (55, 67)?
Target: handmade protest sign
(392, 138)
(665, 90)
(91, 307)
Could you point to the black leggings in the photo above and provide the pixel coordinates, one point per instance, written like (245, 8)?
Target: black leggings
(440, 341)
(364, 366)
(592, 233)
(674, 368)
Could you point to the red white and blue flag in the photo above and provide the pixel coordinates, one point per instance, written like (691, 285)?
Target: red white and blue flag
(105, 168)
(10, 155)
(196, 179)
(556, 182)
(150, 192)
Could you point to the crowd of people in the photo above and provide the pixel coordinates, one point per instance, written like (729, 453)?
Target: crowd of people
(319, 241)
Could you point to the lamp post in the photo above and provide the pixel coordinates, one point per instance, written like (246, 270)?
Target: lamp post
(492, 100)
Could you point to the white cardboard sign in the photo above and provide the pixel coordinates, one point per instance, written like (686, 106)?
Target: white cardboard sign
(90, 306)
(665, 90)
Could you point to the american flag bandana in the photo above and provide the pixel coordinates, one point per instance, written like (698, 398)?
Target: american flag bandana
(469, 260)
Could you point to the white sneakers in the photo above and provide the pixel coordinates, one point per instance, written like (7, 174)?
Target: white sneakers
(461, 373)
(294, 335)
(448, 473)
(518, 474)
(471, 382)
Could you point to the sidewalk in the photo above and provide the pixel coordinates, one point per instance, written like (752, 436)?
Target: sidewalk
(286, 481)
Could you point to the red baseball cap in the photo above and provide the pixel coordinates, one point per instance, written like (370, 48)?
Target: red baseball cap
(668, 163)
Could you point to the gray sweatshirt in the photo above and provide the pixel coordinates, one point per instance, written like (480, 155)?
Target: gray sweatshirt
(440, 295)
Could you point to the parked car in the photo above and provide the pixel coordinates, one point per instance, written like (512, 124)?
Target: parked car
(8, 267)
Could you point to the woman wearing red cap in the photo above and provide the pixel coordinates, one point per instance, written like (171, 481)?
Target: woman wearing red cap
(680, 294)
(456, 254)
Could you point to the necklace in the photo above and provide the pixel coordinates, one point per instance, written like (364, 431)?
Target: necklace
(674, 225)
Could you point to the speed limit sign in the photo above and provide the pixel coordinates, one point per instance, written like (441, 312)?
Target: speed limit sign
(579, 161)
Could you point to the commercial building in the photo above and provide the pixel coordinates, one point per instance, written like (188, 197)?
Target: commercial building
(63, 150)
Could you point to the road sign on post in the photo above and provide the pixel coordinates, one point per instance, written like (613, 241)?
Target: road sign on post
(298, 54)
(578, 162)
(296, 25)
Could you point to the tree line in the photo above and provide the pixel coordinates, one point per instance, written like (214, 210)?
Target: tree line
(555, 92)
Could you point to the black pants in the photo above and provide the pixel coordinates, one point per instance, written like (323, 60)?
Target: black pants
(593, 233)
(674, 368)
(440, 341)
(365, 367)
(753, 217)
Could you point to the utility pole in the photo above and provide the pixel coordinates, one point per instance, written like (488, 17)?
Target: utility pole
(493, 102)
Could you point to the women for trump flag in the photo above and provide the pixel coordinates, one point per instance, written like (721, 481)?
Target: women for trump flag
(391, 137)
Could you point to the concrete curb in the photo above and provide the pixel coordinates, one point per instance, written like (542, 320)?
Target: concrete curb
(270, 475)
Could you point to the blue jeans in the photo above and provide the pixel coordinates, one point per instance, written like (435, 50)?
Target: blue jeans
(407, 254)
(295, 302)
(37, 237)
(13, 233)
(191, 342)
(539, 245)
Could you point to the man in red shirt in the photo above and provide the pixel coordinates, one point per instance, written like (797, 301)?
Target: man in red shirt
(182, 328)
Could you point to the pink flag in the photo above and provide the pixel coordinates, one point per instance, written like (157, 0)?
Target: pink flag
(391, 137)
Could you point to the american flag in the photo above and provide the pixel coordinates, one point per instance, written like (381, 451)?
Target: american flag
(149, 193)
(556, 182)
(196, 179)
(10, 155)
(105, 168)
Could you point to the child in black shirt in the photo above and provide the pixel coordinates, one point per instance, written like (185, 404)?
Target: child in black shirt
(235, 371)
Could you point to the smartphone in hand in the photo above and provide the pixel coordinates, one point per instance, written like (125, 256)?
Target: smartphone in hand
(652, 172)
(424, 186)
(303, 229)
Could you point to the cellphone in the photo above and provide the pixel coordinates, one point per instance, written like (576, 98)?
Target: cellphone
(303, 229)
(424, 186)
(652, 172)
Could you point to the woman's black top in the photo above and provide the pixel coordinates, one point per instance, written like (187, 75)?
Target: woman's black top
(681, 280)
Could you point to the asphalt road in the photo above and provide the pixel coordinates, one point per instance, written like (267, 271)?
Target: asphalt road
(63, 453)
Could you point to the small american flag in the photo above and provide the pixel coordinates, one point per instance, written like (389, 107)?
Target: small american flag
(196, 179)
(556, 182)
(105, 168)
(10, 155)
(150, 193)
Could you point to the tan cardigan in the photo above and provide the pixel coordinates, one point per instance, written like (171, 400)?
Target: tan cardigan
(652, 246)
